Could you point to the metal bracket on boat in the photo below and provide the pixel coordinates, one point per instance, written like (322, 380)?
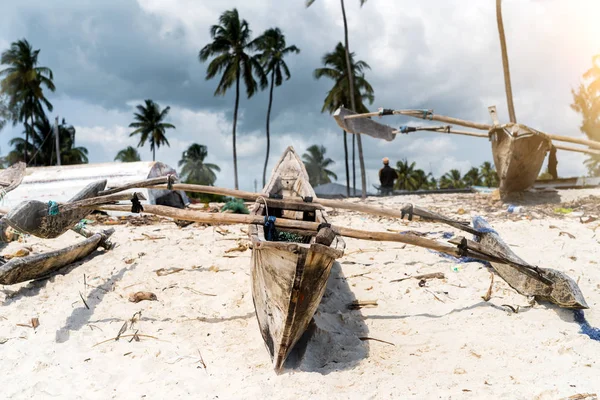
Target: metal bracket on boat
(323, 225)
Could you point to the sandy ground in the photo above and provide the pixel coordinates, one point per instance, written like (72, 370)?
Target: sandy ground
(203, 339)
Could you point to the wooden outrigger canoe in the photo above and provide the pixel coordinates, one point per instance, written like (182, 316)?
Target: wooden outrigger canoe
(288, 277)
(21, 269)
(518, 150)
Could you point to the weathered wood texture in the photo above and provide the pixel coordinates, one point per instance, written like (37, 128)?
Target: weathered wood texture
(21, 269)
(288, 279)
(564, 291)
(519, 154)
(12, 177)
(33, 217)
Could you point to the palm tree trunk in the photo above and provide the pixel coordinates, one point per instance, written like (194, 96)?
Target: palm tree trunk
(153, 153)
(361, 159)
(235, 113)
(507, 84)
(353, 165)
(268, 132)
(347, 167)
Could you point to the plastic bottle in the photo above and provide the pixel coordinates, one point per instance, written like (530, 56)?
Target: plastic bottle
(512, 209)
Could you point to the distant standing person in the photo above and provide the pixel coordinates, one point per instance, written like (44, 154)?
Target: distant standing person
(387, 176)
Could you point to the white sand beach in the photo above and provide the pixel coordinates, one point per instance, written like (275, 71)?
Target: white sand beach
(200, 337)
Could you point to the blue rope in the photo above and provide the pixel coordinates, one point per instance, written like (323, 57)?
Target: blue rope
(270, 232)
(81, 224)
(461, 260)
(52, 208)
(586, 328)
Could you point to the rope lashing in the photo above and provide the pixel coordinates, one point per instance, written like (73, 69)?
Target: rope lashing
(406, 129)
(307, 199)
(52, 207)
(136, 206)
(275, 196)
(170, 182)
(270, 231)
(385, 111)
(426, 113)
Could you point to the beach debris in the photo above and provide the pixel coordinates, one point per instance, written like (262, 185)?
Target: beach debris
(149, 237)
(587, 220)
(562, 210)
(488, 294)
(34, 323)
(199, 292)
(358, 304)
(433, 275)
(582, 396)
(169, 271)
(241, 247)
(235, 206)
(363, 338)
(84, 302)
(201, 361)
(213, 268)
(22, 252)
(141, 296)
(564, 233)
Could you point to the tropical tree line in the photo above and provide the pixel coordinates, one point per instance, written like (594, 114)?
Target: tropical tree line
(409, 176)
(236, 58)
(23, 100)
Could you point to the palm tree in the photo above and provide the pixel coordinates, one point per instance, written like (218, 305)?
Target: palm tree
(230, 47)
(273, 49)
(587, 103)
(408, 177)
(43, 147)
(335, 69)
(23, 81)
(473, 177)
(452, 180)
(5, 114)
(488, 174)
(195, 170)
(316, 165)
(128, 154)
(150, 126)
(352, 99)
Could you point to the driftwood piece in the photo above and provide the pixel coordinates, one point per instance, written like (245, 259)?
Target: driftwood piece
(563, 291)
(32, 216)
(39, 265)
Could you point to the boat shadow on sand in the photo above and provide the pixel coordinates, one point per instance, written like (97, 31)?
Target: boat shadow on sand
(332, 341)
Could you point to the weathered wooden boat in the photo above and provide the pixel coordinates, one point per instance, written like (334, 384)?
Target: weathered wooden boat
(11, 177)
(289, 267)
(21, 269)
(519, 152)
(38, 219)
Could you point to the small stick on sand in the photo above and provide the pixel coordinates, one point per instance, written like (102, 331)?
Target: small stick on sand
(488, 295)
(433, 275)
(363, 338)
(135, 334)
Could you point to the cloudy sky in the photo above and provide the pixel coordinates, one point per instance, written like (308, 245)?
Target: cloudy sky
(107, 56)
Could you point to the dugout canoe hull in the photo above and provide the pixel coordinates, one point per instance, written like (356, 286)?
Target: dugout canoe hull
(519, 153)
(288, 278)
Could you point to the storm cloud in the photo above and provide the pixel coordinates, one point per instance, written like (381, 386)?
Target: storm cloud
(108, 56)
